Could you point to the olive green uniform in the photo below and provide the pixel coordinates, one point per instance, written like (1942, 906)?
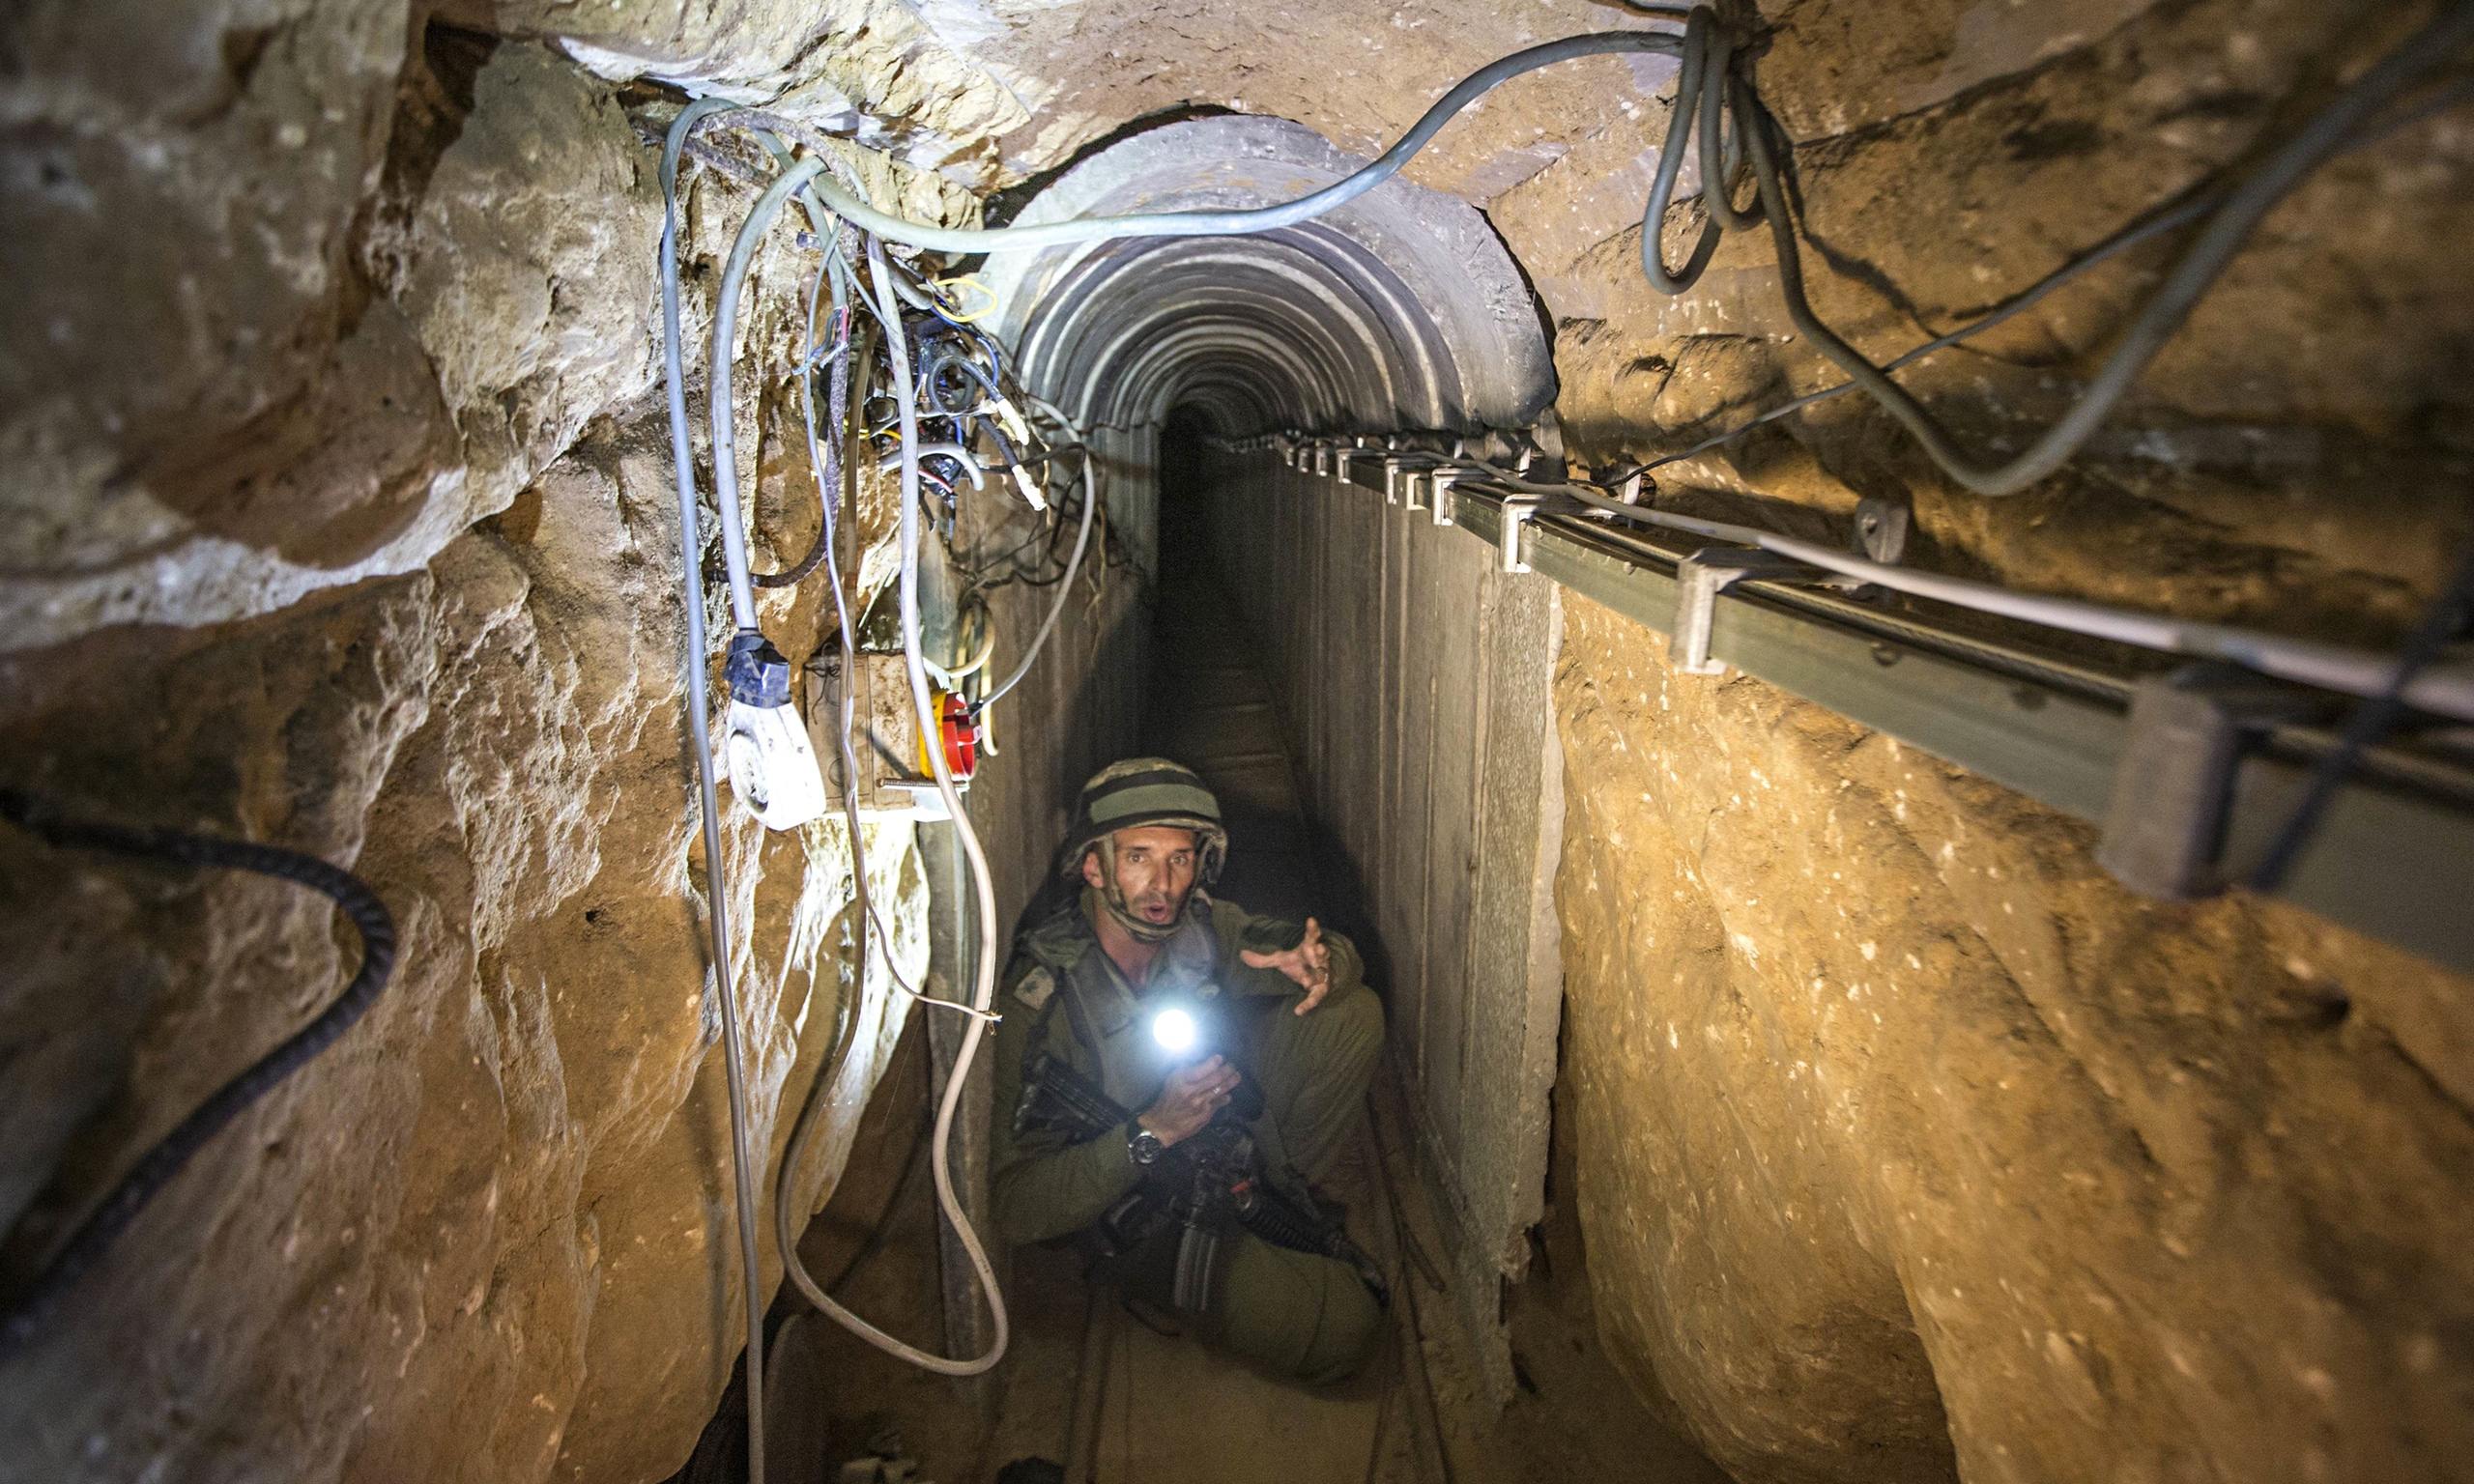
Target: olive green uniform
(1295, 1313)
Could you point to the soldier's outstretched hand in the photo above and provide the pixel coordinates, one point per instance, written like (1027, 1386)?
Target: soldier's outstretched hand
(1308, 963)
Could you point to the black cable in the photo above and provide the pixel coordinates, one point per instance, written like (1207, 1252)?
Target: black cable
(2191, 207)
(26, 1312)
(2450, 616)
(1717, 94)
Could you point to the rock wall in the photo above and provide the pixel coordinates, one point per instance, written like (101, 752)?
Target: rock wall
(340, 516)
(1908, 1143)
(1908, 1140)
(1910, 1147)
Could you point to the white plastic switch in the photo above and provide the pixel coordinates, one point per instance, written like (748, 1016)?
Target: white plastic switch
(773, 766)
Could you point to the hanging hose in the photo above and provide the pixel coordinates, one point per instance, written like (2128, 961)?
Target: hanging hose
(743, 1158)
(887, 306)
(1733, 126)
(1074, 564)
(824, 458)
(27, 1311)
(1233, 223)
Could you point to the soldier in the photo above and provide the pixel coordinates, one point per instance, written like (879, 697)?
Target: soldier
(1105, 999)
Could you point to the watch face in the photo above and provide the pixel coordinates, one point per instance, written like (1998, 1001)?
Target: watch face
(1144, 1147)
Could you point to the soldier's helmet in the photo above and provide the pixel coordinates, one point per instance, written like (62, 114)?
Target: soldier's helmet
(1141, 791)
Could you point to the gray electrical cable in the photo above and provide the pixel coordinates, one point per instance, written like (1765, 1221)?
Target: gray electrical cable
(954, 451)
(2143, 229)
(2229, 226)
(718, 400)
(887, 305)
(699, 726)
(1266, 219)
(789, 1204)
(1073, 565)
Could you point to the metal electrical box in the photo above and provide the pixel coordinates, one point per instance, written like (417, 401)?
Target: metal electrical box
(894, 781)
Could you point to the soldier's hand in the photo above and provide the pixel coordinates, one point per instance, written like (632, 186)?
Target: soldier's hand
(1192, 1096)
(1308, 963)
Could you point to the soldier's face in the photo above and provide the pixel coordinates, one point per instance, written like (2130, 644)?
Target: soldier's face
(1156, 866)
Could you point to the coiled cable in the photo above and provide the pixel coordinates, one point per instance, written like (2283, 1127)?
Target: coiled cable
(27, 1311)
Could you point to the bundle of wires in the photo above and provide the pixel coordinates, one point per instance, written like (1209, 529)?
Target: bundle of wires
(954, 420)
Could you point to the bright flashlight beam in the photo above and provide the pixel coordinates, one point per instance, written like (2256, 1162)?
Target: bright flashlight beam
(1175, 1031)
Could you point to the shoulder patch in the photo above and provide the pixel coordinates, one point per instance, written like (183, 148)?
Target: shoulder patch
(1034, 988)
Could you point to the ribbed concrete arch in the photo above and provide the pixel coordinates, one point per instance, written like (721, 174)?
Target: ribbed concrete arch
(1400, 309)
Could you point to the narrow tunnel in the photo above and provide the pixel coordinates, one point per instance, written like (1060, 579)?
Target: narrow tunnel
(902, 742)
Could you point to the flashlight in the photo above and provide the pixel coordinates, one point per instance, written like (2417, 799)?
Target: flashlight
(1174, 1029)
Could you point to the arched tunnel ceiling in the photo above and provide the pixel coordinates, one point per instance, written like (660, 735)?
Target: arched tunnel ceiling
(1400, 309)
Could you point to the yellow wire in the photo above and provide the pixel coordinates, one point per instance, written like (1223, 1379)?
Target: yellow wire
(986, 293)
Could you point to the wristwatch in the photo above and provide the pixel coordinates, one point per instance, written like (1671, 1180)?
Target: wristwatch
(1141, 1145)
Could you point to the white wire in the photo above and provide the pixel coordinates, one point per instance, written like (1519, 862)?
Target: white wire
(888, 306)
(743, 1158)
(2443, 690)
(1073, 565)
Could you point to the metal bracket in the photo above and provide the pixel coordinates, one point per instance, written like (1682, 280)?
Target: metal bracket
(1441, 480)
(1409, 488)
(2165, 823)
(1518, 510)
(1699, 580)
(1323, 459)
(1881, 529)
(1391, 481)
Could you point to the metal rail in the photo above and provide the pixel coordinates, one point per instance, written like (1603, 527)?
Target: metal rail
(2393, 856)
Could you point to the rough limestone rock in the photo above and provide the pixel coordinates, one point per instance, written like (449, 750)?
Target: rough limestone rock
(2292, 459)
(183, 184)
(1911, 1144)
(873, 68)
(488, 1235)
(528, 266)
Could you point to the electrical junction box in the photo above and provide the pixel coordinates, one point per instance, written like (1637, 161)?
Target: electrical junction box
(894, 777)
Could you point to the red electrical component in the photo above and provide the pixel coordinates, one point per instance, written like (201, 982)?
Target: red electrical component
(960, 737)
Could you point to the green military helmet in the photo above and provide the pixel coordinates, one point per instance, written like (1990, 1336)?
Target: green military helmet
(1141, 791)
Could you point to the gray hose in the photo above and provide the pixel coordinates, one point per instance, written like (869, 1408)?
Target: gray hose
(2227, 227)
(759, 219)
(1264, 218)
(1688, 87)
(699, 703)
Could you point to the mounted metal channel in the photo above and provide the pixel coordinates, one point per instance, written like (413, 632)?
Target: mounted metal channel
(2388, 860)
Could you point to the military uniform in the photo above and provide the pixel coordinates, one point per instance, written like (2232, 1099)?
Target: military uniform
(1302, 1315)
